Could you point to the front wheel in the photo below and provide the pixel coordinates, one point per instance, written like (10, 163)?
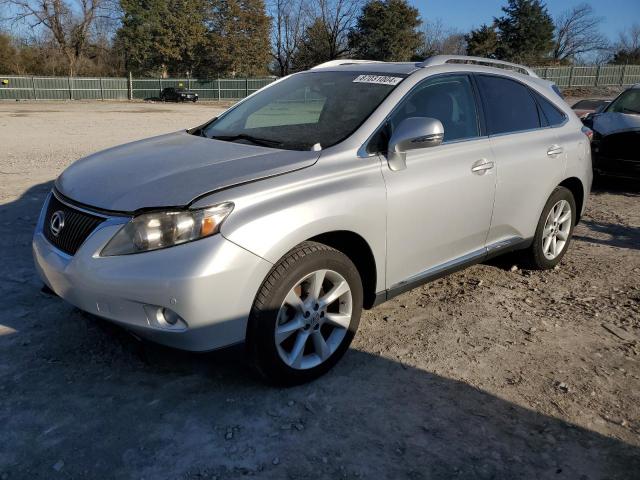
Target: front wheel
(305, 314)
(554, 231)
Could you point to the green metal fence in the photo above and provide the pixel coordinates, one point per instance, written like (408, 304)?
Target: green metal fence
(80, 88)
(591, 76)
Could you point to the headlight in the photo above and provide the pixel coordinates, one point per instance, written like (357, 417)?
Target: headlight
(151, 231)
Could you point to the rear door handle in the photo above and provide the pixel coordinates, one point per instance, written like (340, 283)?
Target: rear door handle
(555, 150)
(481, 166)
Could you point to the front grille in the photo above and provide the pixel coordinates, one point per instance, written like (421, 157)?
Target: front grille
(77, 226)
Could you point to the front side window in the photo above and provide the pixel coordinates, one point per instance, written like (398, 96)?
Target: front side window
(627, 102)
(305, 111)
(449, 99)
(508, 105)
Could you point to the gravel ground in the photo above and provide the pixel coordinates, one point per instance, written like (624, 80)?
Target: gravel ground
(494, 372)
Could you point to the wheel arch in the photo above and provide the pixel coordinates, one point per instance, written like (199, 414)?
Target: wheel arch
(574, 185)
(360, 253)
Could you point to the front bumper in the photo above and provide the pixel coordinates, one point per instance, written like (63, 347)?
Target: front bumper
(211, 283)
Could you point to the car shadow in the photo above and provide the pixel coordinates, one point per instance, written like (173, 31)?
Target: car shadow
(614, 235)
(81, 398)
(619, 186)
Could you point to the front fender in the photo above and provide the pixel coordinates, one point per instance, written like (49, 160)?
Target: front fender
(274, 215)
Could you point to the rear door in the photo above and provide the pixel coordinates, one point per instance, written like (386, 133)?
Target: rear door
(530, 160)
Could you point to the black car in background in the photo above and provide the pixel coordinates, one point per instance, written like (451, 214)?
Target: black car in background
(588, 106)
(616, 136)
(173, 94)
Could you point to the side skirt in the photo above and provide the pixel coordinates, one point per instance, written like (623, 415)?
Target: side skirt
(452, 266)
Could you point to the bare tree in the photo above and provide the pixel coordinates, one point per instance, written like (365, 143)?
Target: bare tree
(326, 33)
(289, 22)
(68, 21)
(336, 18)
(627, 49)
(577, 33)
(439, 40)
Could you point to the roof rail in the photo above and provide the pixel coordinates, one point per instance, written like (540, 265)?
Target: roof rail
(488, 62)
(342, 61)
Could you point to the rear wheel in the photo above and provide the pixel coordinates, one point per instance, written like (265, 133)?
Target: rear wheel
(554, 231)
(305, 314)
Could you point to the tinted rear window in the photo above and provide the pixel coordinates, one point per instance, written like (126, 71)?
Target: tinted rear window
(552, 115)
(555, 88)
(509, 106)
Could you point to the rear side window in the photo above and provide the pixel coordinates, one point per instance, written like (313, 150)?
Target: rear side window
(555, 88)
(552, 115)
(508, 105)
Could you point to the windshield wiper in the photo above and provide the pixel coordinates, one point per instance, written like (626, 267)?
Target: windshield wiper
(264, 142)
(624, 109)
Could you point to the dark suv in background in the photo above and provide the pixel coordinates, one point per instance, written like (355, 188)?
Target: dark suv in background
(172, 94)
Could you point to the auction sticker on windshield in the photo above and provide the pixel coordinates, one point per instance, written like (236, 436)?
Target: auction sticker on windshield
(379, 79)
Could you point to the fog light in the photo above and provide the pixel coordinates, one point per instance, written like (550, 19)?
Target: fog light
(163, 317)
(170, 316)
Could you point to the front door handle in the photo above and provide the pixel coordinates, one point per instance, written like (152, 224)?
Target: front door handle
(555, 150)
(481, 166)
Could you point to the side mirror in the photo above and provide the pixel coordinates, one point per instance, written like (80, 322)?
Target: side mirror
(413, 133)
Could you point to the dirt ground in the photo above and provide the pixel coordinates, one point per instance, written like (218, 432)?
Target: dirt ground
(494, 372)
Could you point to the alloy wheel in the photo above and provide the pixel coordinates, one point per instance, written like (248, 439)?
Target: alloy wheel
(313, 319)
(556, 230)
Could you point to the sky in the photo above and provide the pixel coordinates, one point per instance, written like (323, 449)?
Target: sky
(467, 14)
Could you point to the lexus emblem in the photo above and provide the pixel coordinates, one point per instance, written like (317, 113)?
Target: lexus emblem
(56, 224)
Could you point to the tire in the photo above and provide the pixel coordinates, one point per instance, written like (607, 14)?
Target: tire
(535, 256)
(273, 312)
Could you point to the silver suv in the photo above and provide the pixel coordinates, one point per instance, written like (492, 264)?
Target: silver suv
(327, 192)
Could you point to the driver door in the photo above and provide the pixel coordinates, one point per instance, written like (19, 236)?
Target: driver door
(440, 206)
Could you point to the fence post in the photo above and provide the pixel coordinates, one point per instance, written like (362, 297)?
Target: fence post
(219, 90)
(246, 87)
(70, 88)
(570, 76)
(623, 74)
(130, 87)
(160, 85)
(101, 90)
(33, 85)
(598, 76)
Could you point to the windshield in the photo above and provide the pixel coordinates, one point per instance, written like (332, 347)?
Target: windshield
(627, 102)
(312, 110)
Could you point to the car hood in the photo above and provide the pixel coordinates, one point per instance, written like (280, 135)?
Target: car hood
(171, 170)
(614, 122)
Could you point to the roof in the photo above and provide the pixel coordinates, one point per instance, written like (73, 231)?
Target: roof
(410, 67)
(368, 66)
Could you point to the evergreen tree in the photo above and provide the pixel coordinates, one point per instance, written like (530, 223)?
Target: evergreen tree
(237, 41)
(482, 42)
(161, 36)
(525, 32)
(387, 30)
